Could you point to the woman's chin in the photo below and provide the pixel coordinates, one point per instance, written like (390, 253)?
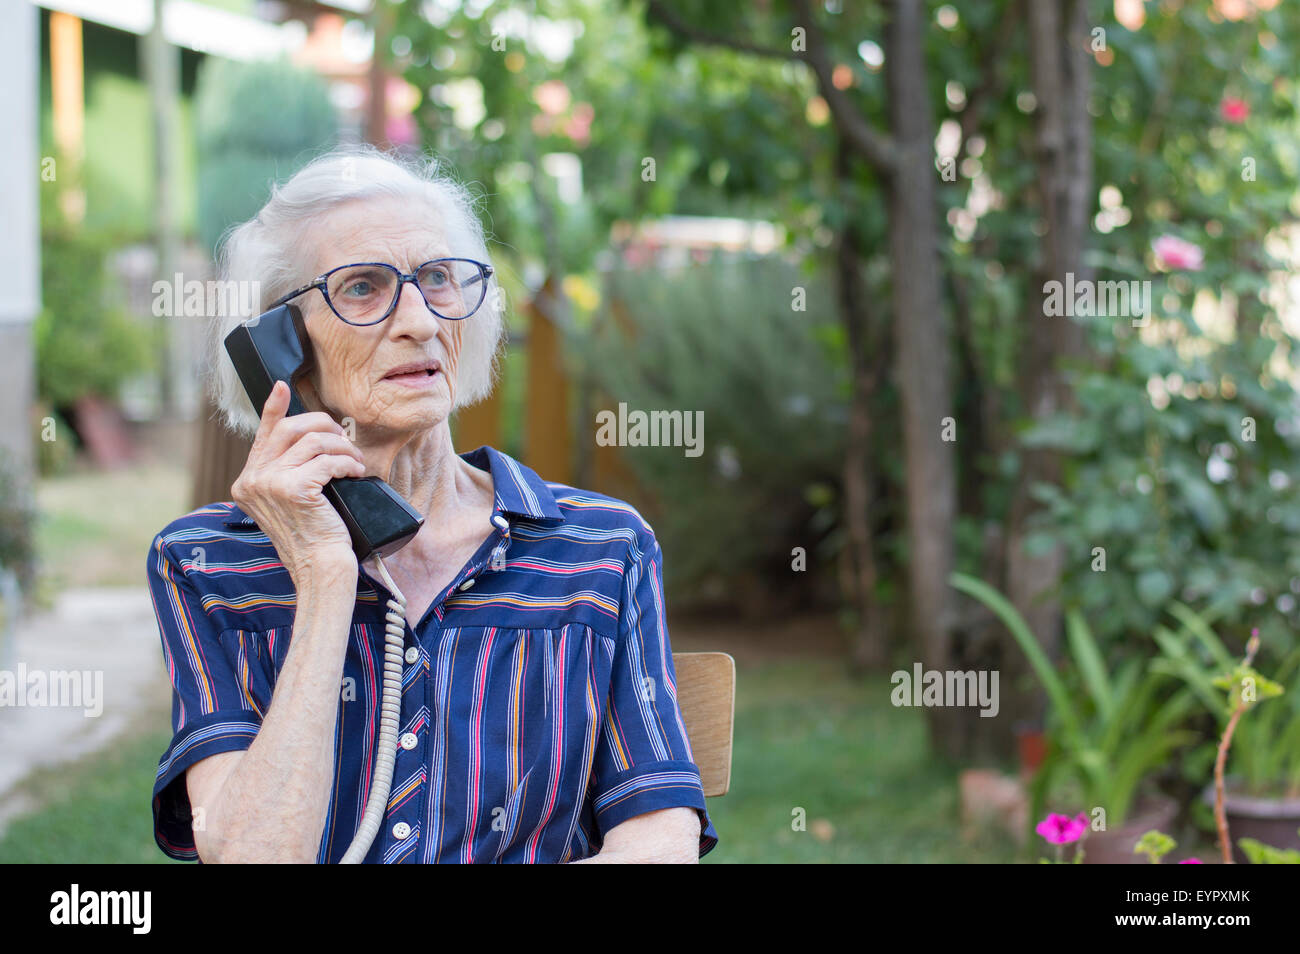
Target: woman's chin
(417, 413)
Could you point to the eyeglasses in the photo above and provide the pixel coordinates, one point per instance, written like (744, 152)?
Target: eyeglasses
(366, 293)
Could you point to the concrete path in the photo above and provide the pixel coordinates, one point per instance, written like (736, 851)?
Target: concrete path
(72, 680)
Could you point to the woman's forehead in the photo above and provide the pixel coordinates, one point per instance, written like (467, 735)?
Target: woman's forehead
(380, 230)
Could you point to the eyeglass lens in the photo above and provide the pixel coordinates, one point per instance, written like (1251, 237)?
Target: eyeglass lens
(453, 289)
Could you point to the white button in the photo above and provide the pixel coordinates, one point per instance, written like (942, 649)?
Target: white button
(412, 654)
(499, 521)
(467, 584)
(409, 741)
(401, 830)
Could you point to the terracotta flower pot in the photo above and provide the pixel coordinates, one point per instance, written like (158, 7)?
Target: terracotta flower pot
(1274, 821)
(1114, 846)
(1031, 746)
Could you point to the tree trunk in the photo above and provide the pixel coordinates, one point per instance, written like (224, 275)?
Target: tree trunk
(922, 358)
(1060, 66)
(376, 118)
(870, 641)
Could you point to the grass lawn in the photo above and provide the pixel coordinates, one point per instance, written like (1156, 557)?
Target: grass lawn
(95, 528)
(807, 736)
(98, 811)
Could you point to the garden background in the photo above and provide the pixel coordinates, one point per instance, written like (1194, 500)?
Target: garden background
(859, 238)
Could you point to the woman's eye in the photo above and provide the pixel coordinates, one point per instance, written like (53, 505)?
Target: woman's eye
(358, 289)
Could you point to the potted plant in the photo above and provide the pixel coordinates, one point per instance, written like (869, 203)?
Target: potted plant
(1109, 732)
(1261, 798)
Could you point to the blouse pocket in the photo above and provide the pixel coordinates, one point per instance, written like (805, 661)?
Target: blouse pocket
(250, 660)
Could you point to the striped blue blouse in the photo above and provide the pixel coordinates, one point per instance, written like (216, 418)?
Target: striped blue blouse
(539, 703)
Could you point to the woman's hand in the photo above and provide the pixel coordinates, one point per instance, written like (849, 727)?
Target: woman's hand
(280, 487)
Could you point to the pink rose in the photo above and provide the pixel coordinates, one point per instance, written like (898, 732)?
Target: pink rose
(401, 130)
(1234, 110)
(552, 96)
(1175, 253)
(1062, 829)
(578, 130)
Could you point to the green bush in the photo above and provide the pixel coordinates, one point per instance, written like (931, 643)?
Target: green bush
(257, 123)
(86, 343)
(1195, 497)
(723, 339)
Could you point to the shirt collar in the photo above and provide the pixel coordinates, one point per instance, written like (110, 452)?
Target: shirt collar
(518, 489)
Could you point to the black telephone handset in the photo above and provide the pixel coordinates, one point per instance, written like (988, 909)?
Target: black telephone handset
(274, 347)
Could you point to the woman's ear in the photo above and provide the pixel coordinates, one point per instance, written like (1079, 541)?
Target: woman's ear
(309, 374)
(306, 388)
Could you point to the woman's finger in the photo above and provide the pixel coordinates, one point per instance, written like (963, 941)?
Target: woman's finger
(277, 402)
(314, 443)
(323, 468)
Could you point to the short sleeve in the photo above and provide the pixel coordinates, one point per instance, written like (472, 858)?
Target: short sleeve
(644, 761)
(213, 709)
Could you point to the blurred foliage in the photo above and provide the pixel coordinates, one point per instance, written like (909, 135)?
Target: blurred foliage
(17, 528)
(721, 340)
(1182, 446)
(257, 123)
(1194, 128)
(1262, 854)
(718, 127)
(1266, 746)
(57, 453)
(1264, 759)
(86, 343)
(1112, 730)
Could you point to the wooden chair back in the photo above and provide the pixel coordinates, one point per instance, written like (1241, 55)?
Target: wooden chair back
(706, 695)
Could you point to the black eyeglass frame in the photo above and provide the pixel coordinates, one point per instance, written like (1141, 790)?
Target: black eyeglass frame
(321, 281)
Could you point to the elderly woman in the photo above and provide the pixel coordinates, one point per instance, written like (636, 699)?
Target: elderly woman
(538, 717)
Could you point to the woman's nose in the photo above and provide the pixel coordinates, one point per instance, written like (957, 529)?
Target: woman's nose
(412, 315)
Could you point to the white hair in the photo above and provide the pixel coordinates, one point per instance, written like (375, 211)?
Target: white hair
(266, 252)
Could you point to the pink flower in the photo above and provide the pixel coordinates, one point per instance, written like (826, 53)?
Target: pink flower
(552, 96)
(1062, 829)
(401, 130)
(578, 131)
(1173, 252)
(578, 127)
(1191, 861)
(1234, 110)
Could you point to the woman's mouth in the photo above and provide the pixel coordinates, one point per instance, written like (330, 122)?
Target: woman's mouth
(419, 376)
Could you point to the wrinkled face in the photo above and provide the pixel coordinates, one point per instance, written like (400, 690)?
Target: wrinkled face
(354, 364)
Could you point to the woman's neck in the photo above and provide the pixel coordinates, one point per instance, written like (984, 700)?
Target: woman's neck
(425, 469)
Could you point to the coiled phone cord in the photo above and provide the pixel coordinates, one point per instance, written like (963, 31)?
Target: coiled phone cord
(390, 709)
